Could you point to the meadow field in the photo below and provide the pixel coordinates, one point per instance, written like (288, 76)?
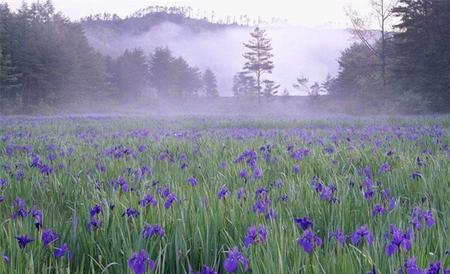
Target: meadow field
(224, 195)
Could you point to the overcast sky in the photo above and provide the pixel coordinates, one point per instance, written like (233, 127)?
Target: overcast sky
(312, 13)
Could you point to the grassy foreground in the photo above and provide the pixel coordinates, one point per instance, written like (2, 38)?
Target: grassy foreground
(332, 196)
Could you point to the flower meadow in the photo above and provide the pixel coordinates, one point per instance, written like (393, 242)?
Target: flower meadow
(224, 195)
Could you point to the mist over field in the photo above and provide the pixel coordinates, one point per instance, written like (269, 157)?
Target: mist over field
(298, 51)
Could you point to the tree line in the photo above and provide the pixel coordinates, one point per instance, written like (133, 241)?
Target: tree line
(46, 61)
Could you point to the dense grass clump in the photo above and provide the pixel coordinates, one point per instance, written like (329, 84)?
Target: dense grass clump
(105, 195)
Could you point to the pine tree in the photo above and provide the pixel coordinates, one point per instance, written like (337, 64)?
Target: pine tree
(187, 80)
(422, 50)
(210, 84)
(259, 57)
(131, 75)
(161, 71)
(172, 77)
(9, 78)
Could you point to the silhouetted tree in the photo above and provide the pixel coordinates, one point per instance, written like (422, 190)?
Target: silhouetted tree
(258, 58)
(313, 91)
(210, 84)
(173, 77)
(131, 75)
(160, 70)
(382, 11)
(422, 51)
(243, 85)
(9, 78)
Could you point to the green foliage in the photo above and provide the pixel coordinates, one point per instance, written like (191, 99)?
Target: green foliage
(422, 53)
(130, 75)
(210, 84)
(172, 77)
(417, 64)
(52, 59)
(200, 227)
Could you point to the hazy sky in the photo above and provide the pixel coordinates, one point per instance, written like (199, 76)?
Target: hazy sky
(313, 13)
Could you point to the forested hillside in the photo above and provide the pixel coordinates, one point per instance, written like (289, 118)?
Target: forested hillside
(158, 55)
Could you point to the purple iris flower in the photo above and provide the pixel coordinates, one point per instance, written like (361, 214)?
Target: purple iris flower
(94, 224)
(192, 181)
(378, 210)
(418, 216)
(255, 235)
(3, 183)
(48, 237)
(139, 261)
(369, 192)
(150, 231)
(170, 199)
(223, 192)
(435, 268)
(367, 171)
(21, 210)
(300, 154)
(304, 223)
(95, 210)
(296, 169)
(23, 240)
(234, 257)
(373, 271)
(384, 168)
(309, 240)
(123, 184)
(411, 267)
(37, 215)
(241, 194)
(262, 206)
(392, 203)
(429, 219)
(339, 236)
(362, 233)
(131, 212)
(327, 193)
(257, 173)
(398, 240)
(243, 174)
(142, 148)
(36, 161)
(416, 175)
(148, 200)
(46, 170)
(5, 258)
(62, 250)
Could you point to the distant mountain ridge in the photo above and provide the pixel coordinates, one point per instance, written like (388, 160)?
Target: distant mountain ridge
(139, 24)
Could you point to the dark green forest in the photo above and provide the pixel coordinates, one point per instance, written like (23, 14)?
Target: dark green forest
(417, 71)
(47, 64)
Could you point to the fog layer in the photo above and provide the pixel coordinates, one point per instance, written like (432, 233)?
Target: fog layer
(298, 51)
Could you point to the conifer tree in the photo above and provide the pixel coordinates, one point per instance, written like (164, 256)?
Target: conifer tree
(258, 58)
